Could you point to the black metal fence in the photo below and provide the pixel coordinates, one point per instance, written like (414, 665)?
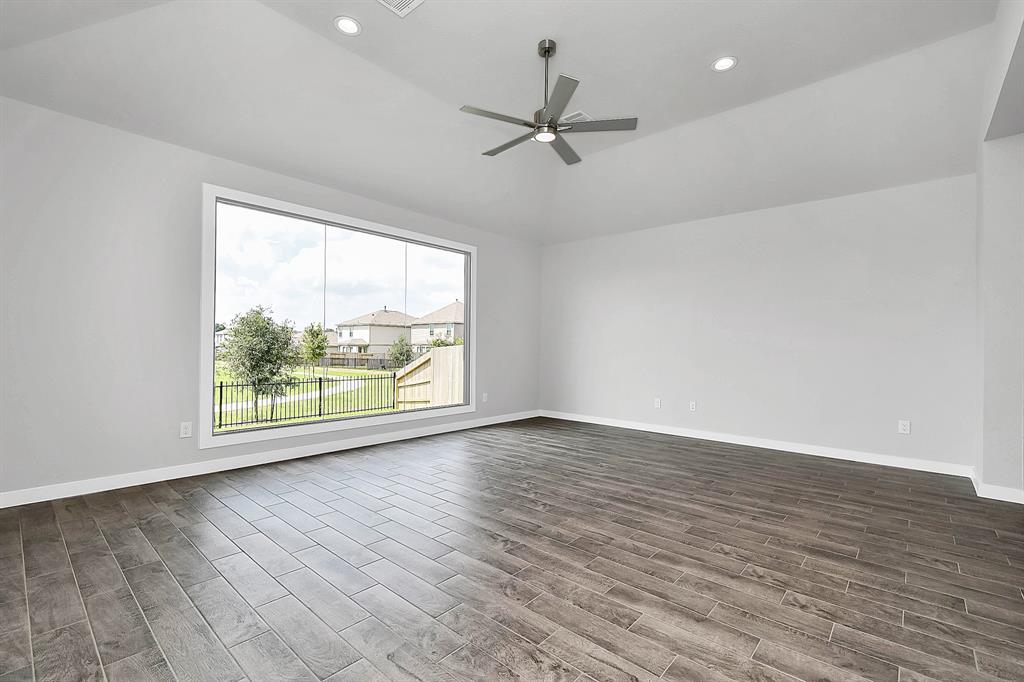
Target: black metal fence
(304, 399)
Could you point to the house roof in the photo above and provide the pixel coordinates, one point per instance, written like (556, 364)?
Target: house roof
(453, 312)
(331, 334)
(381, 318)
(353, 342)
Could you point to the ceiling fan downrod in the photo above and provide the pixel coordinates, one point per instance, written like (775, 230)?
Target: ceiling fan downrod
(546, 49)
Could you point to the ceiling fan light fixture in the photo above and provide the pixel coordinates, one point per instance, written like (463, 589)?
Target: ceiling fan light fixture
(347, 26)
(545, 134)
(724, 63)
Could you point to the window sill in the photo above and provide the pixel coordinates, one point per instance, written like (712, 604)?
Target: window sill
(211, 440)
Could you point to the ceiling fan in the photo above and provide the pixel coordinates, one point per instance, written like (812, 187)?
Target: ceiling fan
(545, 126)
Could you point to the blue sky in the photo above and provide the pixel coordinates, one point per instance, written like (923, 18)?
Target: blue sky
(277, 261)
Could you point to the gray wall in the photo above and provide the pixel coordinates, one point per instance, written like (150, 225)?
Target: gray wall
(820, 323)
(98, 223)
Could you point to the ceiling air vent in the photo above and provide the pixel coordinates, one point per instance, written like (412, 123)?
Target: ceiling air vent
(401, 7)
(576, 117)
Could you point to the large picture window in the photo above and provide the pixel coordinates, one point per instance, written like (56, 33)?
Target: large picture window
(320, 321)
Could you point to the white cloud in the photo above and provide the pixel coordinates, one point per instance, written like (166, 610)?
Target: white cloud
(277, 261)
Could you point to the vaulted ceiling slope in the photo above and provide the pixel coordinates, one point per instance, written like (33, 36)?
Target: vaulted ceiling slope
(830, 98)
(25, 21)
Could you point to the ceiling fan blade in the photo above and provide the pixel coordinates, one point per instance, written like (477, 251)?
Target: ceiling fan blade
(497, 117)
(598, 126)
(565, 151)
(565, 86)
(508, 145)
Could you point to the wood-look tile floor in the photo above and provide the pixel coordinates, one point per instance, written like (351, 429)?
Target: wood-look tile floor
(540, 550)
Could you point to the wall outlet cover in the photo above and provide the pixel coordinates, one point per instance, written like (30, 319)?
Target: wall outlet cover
(185, 431)
(903, 427)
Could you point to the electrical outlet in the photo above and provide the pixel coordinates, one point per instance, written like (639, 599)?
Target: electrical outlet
(185, 431)
(657, 403)
(903, 427)
(484, 397)
(693, 406)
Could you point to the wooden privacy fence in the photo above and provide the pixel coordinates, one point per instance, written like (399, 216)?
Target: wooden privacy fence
(435, 378)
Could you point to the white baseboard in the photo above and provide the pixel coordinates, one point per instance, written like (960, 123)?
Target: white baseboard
(57, 491)
(801, 448)
(998, 492)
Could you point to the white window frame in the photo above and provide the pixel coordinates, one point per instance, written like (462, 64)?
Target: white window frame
(206, 437)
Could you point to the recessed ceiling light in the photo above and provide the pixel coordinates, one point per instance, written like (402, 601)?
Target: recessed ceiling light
(724, 63)
(348, 26)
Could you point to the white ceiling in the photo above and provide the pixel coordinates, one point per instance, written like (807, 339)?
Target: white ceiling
(819, 105)
(25, 21)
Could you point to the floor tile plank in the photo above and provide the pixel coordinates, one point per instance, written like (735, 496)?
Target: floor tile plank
(393, 656)
(118, 626)
(255, 585)
(231, 618)
(319, 647)
(323, 599)
(266, 657)
(67, 653)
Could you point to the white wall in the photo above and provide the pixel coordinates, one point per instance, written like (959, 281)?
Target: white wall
(1000, 252)
(98, 223)
(820, 323)
(1001, 314)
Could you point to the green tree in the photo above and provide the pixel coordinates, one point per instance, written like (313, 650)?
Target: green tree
(218, 326)
(314, 344)
(260, 352)
(400, 352)
(442, 342)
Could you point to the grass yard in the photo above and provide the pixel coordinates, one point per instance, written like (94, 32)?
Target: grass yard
(311, 405)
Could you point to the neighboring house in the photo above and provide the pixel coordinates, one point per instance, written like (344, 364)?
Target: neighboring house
(373, 332)
(447, 323)
(332, 341)
(218, 337)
